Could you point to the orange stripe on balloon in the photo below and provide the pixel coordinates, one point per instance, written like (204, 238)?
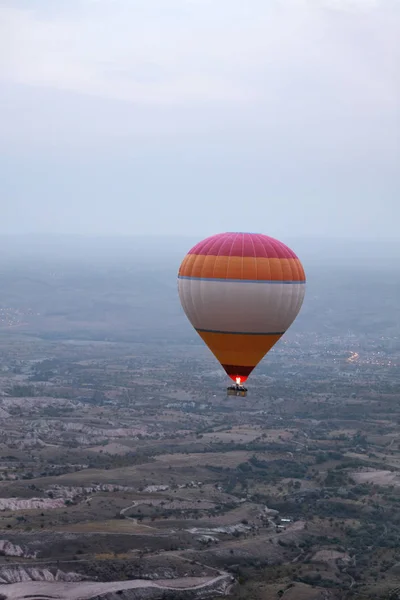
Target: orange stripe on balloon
(247, 268)
(239, 349)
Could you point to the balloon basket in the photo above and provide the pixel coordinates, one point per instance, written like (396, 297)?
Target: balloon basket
(236, 390)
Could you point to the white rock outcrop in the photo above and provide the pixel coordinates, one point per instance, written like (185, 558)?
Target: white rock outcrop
(25, 574)
(9, 549)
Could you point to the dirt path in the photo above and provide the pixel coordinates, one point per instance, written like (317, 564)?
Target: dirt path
(133, 519)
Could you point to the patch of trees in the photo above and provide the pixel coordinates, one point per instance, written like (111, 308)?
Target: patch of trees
(340, 510)
(57, 411)
(279, 468)
(375, 535)
(21, 391)
(336, 478)
(107, 462)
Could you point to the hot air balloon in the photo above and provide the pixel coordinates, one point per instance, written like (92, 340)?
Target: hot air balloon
(241, 292)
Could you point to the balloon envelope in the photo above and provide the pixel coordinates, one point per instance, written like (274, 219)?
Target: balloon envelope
(241, 292)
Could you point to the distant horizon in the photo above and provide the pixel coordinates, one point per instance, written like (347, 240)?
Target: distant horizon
(200, 236)
(170, 249)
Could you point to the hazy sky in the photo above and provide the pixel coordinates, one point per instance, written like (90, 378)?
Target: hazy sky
(200, 116)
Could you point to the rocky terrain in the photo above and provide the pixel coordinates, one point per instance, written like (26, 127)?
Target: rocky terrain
(130, 590)
(125, 470)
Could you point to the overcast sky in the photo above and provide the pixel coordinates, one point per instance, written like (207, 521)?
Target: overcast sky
(200, 116)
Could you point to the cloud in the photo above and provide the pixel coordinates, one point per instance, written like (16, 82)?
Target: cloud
(224, 52)
(301, 82)
(132, 54)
